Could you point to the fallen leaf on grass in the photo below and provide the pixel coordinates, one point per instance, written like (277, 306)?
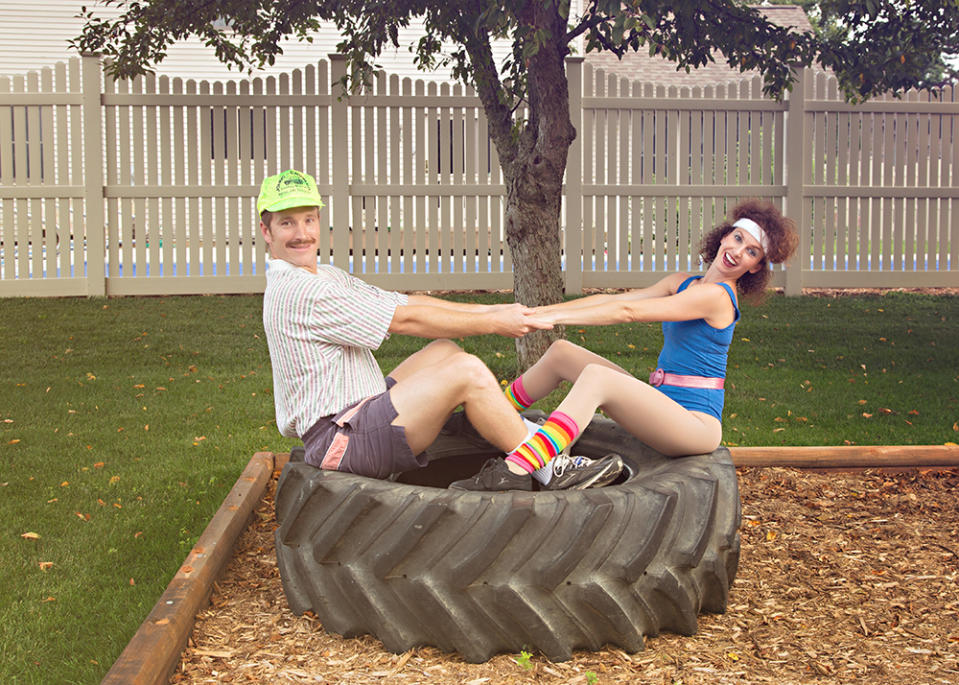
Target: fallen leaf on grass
(46, 565)
(30, 536)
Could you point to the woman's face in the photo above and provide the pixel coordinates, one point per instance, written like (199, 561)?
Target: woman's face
(739, 253)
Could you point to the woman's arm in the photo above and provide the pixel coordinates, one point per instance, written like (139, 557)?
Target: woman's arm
(665, 286)
(658, 303)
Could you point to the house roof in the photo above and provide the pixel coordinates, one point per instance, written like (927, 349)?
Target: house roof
(641, 66)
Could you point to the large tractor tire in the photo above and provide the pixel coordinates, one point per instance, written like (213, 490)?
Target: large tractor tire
(478, 573)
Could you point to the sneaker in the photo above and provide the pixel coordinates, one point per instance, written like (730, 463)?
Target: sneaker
(495, 475)
(579, 473)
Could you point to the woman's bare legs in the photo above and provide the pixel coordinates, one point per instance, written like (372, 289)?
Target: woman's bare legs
(651, 416)
(638, 407)
(563, 361)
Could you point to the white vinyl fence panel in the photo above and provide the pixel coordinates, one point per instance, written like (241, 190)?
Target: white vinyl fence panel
(147, 186)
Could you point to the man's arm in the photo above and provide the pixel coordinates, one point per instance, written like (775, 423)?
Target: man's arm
(449, 305)
(429, 317)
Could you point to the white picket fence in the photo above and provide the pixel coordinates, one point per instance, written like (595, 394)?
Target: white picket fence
(147, 186)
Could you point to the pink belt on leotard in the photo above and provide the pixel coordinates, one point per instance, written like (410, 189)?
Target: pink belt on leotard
(660, 377)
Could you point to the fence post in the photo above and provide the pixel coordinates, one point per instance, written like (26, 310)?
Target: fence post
(795, 168)
(95, 227)
(574, 180)
(340, 176)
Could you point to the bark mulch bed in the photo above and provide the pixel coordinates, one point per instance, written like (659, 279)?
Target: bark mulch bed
(844, 578)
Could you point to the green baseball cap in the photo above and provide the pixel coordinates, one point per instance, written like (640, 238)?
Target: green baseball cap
(287, 190)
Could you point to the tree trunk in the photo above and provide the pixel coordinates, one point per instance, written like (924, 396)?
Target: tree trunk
(532, 233)
(534, 181)
(532, 155)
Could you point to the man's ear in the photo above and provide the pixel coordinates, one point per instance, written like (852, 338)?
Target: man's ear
(265, 230)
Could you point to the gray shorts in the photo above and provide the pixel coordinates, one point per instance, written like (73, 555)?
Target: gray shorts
(362, 440)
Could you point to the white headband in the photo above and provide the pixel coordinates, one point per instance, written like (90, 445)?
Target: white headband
(755, 230)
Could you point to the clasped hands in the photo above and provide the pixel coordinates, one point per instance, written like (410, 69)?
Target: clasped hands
(516, 320)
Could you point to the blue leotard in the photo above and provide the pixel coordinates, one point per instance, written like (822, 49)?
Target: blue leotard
(694, 348)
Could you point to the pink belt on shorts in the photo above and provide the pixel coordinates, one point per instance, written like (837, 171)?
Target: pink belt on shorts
(660, 377)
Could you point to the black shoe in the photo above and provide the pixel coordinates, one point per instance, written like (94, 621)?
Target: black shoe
(495, 475)
(579, 473)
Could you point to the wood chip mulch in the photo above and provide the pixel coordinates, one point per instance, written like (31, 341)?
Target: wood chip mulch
(844, 578)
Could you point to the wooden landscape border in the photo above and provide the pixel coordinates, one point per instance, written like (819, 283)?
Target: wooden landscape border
(152, 654)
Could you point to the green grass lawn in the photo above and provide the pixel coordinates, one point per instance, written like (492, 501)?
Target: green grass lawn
(124, 423)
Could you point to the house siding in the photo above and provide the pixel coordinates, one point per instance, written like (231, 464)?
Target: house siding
(35, 35)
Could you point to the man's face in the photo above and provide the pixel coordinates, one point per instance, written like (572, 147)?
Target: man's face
(293, 236)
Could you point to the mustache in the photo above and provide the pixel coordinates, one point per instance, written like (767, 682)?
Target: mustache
(300, 243)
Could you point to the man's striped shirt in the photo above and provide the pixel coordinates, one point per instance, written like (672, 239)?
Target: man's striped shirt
(322, 329)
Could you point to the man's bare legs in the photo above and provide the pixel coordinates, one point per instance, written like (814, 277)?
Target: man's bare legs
(433, 382)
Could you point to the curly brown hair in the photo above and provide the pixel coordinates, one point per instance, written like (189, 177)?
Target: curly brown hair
(780, 234)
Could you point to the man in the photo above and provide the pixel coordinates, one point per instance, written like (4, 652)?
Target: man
(322, 326)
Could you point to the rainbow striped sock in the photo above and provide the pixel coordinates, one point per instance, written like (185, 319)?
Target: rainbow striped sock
(551, 439)
(517, 396)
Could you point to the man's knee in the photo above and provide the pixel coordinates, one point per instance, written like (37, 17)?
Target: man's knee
(469, 370)
(443, 346)
(445, 343)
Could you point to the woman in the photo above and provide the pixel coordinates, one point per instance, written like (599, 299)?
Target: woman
(679, 411)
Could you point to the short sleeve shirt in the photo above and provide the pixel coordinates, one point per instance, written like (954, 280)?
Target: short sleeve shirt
(321, 330)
